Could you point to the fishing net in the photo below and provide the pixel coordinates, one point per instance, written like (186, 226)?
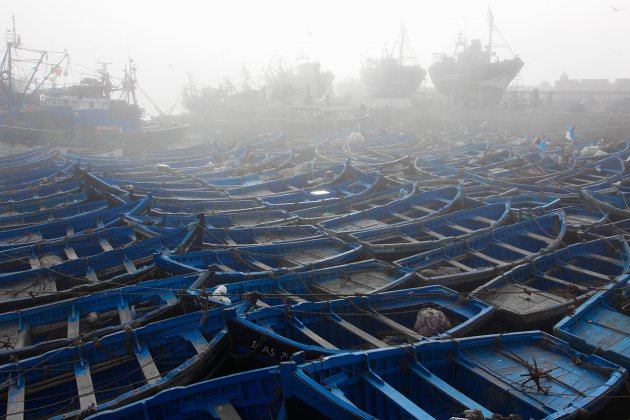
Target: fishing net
(440, 271)
(430, 322)
(50, 260)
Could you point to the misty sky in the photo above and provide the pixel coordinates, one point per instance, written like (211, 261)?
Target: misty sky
(212, 39)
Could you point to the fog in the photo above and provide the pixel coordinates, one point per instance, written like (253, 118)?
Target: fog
(211, 40)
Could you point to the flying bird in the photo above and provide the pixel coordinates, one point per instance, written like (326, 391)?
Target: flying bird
(615, 9)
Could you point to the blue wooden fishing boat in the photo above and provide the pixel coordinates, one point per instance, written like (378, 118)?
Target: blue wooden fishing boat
(32, 177)
(208, 206)
(526, 374)
(28, 155)
(448, 167)
(183, 153)
(228, 219)
(191, 194)
(54, 252)
(414, 207)
(529, 375)
(57, 187)
(580, 218)
(547, 188)
(116, 369)
(25, 162)
(46, 203)
(385, 193)
(35, 330)
(70, 226)
(97, 187)
(399, 241)
(271, 335)
(265, 260)
(528, 205)
(462, 265)
(551, 285)
(354, 183)
(332, 152)
(601, 325)
(531, 168)
(248, 395)
(353, 278)
(49, 215)
(162, 183)
(598, 174)
(256, 170)
(613, 203)
(312, 177)
(614, 148)
(374, 155)
(113, 268)
(382, 141)
(218, 238)
(458, 152)
(604, 230)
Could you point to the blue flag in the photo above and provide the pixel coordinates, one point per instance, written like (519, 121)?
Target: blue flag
(570, 135)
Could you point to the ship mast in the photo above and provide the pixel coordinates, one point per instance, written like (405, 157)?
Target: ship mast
(490, 31)
(401, 49)
(13, 41)
(404, 47)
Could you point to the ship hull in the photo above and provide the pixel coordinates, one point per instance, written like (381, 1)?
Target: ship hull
(142, 140)
(392, 82)
(476, 84)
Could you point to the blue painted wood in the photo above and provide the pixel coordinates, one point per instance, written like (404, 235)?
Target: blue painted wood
(493, 373)
(464, 264)
(399, 241)
(55, 188)
(271, 335)
(209, 206)
(43, 203)
(108, 269)
(95, 315)
(580, 218)
(49, 215)
(601, 325)
(263, 260)
(414, 207)
(76, 224)
(123, 367)
(614, 203)
(215, 238)
(351, 183)
(551, 285)
(362, 277)
(228, 219)
(311, 178)
(385, 193)
(53, 252)
(528, 205)
(253, 395)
